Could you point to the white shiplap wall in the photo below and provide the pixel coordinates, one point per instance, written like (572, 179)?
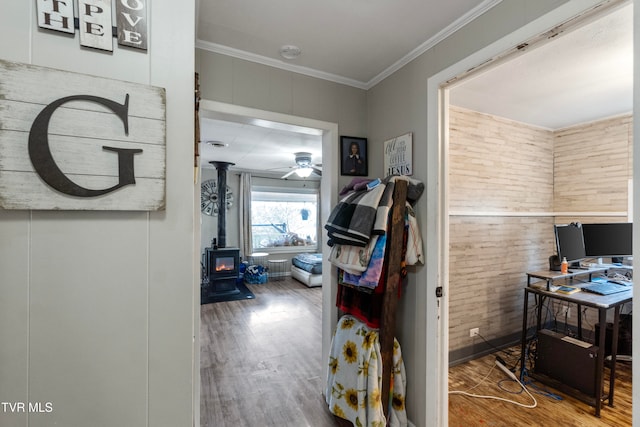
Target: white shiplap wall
(98, 309)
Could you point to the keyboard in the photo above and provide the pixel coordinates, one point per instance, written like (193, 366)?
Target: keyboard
(622, 282)
(605, 288)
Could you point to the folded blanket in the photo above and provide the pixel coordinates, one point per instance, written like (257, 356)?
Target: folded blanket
(354, 380)
(356, 184)
(370, 277)
(351, 221)
(355, 260)
(384, 209)
(352, 259)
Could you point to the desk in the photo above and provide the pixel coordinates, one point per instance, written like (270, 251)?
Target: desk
(602, 303)
(551, 276)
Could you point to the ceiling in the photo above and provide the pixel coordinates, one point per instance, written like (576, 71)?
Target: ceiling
(256, 147)
(580, 76)
(355, 42)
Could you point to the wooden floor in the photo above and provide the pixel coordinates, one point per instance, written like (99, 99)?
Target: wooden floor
(466, 411)
(261, 359)
(261, 366)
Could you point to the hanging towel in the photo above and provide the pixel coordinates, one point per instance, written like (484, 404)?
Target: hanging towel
(354, 381)
(414, 255)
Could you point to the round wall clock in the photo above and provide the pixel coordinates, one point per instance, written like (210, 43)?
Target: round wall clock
(209, 197)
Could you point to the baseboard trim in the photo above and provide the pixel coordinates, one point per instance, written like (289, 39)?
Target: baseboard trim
(482, 348)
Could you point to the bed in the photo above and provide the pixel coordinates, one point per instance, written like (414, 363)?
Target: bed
(307, 268)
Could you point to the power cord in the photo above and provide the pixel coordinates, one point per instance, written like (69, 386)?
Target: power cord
(494, 347)
(511, 375)
(524, 375)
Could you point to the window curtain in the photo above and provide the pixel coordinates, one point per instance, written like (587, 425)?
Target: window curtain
(245, 214)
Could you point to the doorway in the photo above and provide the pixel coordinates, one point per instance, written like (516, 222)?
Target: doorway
(328, 189)
(439, 93)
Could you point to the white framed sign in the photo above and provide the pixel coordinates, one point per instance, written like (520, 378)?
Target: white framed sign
(95, 30)
(398, 157)
(71, 141)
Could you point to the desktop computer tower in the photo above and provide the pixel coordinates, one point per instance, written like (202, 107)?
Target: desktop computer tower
(567, 360)
(624, 336)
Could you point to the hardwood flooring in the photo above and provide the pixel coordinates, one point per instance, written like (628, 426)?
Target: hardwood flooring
(261, 366)
(261, 359)
(466, 411)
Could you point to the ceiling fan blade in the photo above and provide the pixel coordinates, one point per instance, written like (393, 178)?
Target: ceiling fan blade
(316, 170)
(285, 176)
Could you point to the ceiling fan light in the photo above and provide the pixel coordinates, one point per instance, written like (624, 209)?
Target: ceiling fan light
(304, 172)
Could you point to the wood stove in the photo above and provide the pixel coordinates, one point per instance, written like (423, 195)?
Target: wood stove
(222, 263)
(222, 267)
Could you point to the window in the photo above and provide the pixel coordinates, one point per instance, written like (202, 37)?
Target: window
(284, 218)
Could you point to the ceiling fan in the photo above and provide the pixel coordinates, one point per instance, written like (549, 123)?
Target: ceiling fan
(303, 167)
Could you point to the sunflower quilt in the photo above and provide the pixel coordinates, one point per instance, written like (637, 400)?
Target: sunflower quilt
(354, 380)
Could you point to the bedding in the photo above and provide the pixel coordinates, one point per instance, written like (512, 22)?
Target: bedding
(308, 262)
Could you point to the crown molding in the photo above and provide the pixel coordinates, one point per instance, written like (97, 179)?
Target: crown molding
(446, 32)
(247, 56)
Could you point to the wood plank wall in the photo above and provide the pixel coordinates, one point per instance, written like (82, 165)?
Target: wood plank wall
(592, 166)
(506, 181)
(498, 165)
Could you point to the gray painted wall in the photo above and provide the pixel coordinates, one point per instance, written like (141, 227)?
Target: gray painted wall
(393, 107)
(98, 309)
(239, 82)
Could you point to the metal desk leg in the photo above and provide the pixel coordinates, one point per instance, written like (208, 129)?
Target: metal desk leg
(579, 307)
(539, 313)
(602, 320)
(523, 343)
(614, 353)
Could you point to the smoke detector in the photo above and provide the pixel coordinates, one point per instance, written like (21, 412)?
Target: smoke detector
(290, 51)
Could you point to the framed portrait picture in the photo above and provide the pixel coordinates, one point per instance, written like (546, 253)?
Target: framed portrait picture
(353, 155)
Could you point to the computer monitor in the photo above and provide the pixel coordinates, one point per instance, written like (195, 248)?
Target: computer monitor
(570, 243)
(608, 240)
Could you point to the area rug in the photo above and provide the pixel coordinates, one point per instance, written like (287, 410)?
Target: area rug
(240, 293)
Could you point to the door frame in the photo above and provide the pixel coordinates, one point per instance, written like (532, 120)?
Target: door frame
(328, 189)
(438, 86)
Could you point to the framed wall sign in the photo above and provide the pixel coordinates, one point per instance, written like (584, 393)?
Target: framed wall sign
(353, 155)
(94, 21)
(71, 141)
(398, 155)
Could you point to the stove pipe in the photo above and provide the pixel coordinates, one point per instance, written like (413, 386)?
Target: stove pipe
(222, 168)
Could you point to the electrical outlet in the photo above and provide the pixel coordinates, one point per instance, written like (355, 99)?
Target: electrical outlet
(474, 332)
